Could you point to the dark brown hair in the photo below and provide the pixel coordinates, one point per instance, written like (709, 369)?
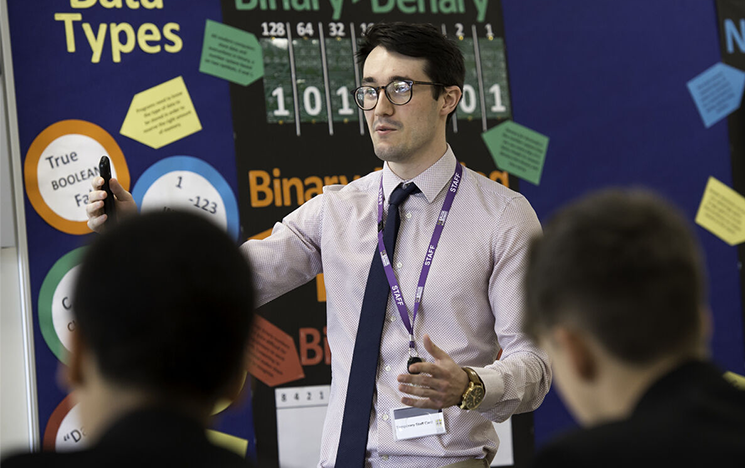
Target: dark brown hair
(444, 60)
(164, 302)
(624, 266)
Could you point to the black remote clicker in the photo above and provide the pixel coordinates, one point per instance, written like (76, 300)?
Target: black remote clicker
(104, 168)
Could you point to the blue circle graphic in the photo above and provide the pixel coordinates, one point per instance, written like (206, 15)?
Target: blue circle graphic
(191, 164)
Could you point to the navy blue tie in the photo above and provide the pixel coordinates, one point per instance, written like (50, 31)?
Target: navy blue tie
(354, 428)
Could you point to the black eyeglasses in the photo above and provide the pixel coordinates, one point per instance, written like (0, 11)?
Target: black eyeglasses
(399, 92)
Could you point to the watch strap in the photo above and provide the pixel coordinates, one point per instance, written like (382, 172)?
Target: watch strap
(474, 382)
(473, 376)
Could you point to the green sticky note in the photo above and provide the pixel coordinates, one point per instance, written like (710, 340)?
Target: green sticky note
(231, 53)
(517, 150)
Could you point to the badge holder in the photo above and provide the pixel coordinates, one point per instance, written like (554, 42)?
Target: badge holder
(410, 423)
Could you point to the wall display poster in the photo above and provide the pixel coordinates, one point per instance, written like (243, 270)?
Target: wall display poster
(241, 111)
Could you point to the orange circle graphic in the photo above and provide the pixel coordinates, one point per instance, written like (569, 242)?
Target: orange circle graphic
(33, 156)
(49, 443)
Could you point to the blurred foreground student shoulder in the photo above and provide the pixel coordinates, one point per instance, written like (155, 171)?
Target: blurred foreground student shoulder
(615, 296)
(160, 339)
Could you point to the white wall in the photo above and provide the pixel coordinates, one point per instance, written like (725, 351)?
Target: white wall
(14, 425)
(13, 415)
(7, 221)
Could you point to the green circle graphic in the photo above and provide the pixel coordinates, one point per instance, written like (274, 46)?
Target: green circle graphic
(46, 296)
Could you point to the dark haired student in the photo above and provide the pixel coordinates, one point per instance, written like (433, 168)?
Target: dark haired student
(423, 265)
(160, 337)
(616, 296)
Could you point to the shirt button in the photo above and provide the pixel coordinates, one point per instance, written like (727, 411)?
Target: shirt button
(385, 417)
(387, 368)
(393, 318)
(399, 265)
(408, 215)
(384, 457)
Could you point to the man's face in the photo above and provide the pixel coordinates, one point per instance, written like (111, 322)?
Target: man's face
(405, 133)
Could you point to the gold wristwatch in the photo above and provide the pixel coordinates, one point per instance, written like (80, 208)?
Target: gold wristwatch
(475, 392)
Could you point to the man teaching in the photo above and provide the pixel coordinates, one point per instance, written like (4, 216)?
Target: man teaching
(421, 327)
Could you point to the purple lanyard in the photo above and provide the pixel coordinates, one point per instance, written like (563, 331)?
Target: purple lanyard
(391, 275)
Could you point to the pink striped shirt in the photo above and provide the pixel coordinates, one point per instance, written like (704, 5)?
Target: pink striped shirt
(471, 306)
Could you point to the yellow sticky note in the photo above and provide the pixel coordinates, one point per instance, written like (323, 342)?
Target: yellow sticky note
(736, 379)
(223, 403)
(722, 211)
(227, 441)
(161, 115)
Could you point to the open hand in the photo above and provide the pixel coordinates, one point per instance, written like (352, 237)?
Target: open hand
(442, 387)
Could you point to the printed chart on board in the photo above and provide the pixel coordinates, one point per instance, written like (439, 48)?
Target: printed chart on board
(312, 134)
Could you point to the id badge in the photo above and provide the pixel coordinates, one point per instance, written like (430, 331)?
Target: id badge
(410, 423)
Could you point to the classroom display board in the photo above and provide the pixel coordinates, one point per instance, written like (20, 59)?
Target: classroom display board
(240, 111)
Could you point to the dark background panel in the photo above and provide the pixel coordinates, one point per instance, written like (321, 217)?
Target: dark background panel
(733, 12)
(266, 147)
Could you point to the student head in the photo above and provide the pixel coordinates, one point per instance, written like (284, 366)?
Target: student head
(395, 52)
(163, 306)
(614, 291)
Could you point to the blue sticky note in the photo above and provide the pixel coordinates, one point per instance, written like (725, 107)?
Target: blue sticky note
(717, 92)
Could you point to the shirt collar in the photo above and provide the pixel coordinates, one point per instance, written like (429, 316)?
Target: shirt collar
(430, 182)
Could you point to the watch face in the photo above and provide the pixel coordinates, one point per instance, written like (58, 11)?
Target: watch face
(474, 397)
